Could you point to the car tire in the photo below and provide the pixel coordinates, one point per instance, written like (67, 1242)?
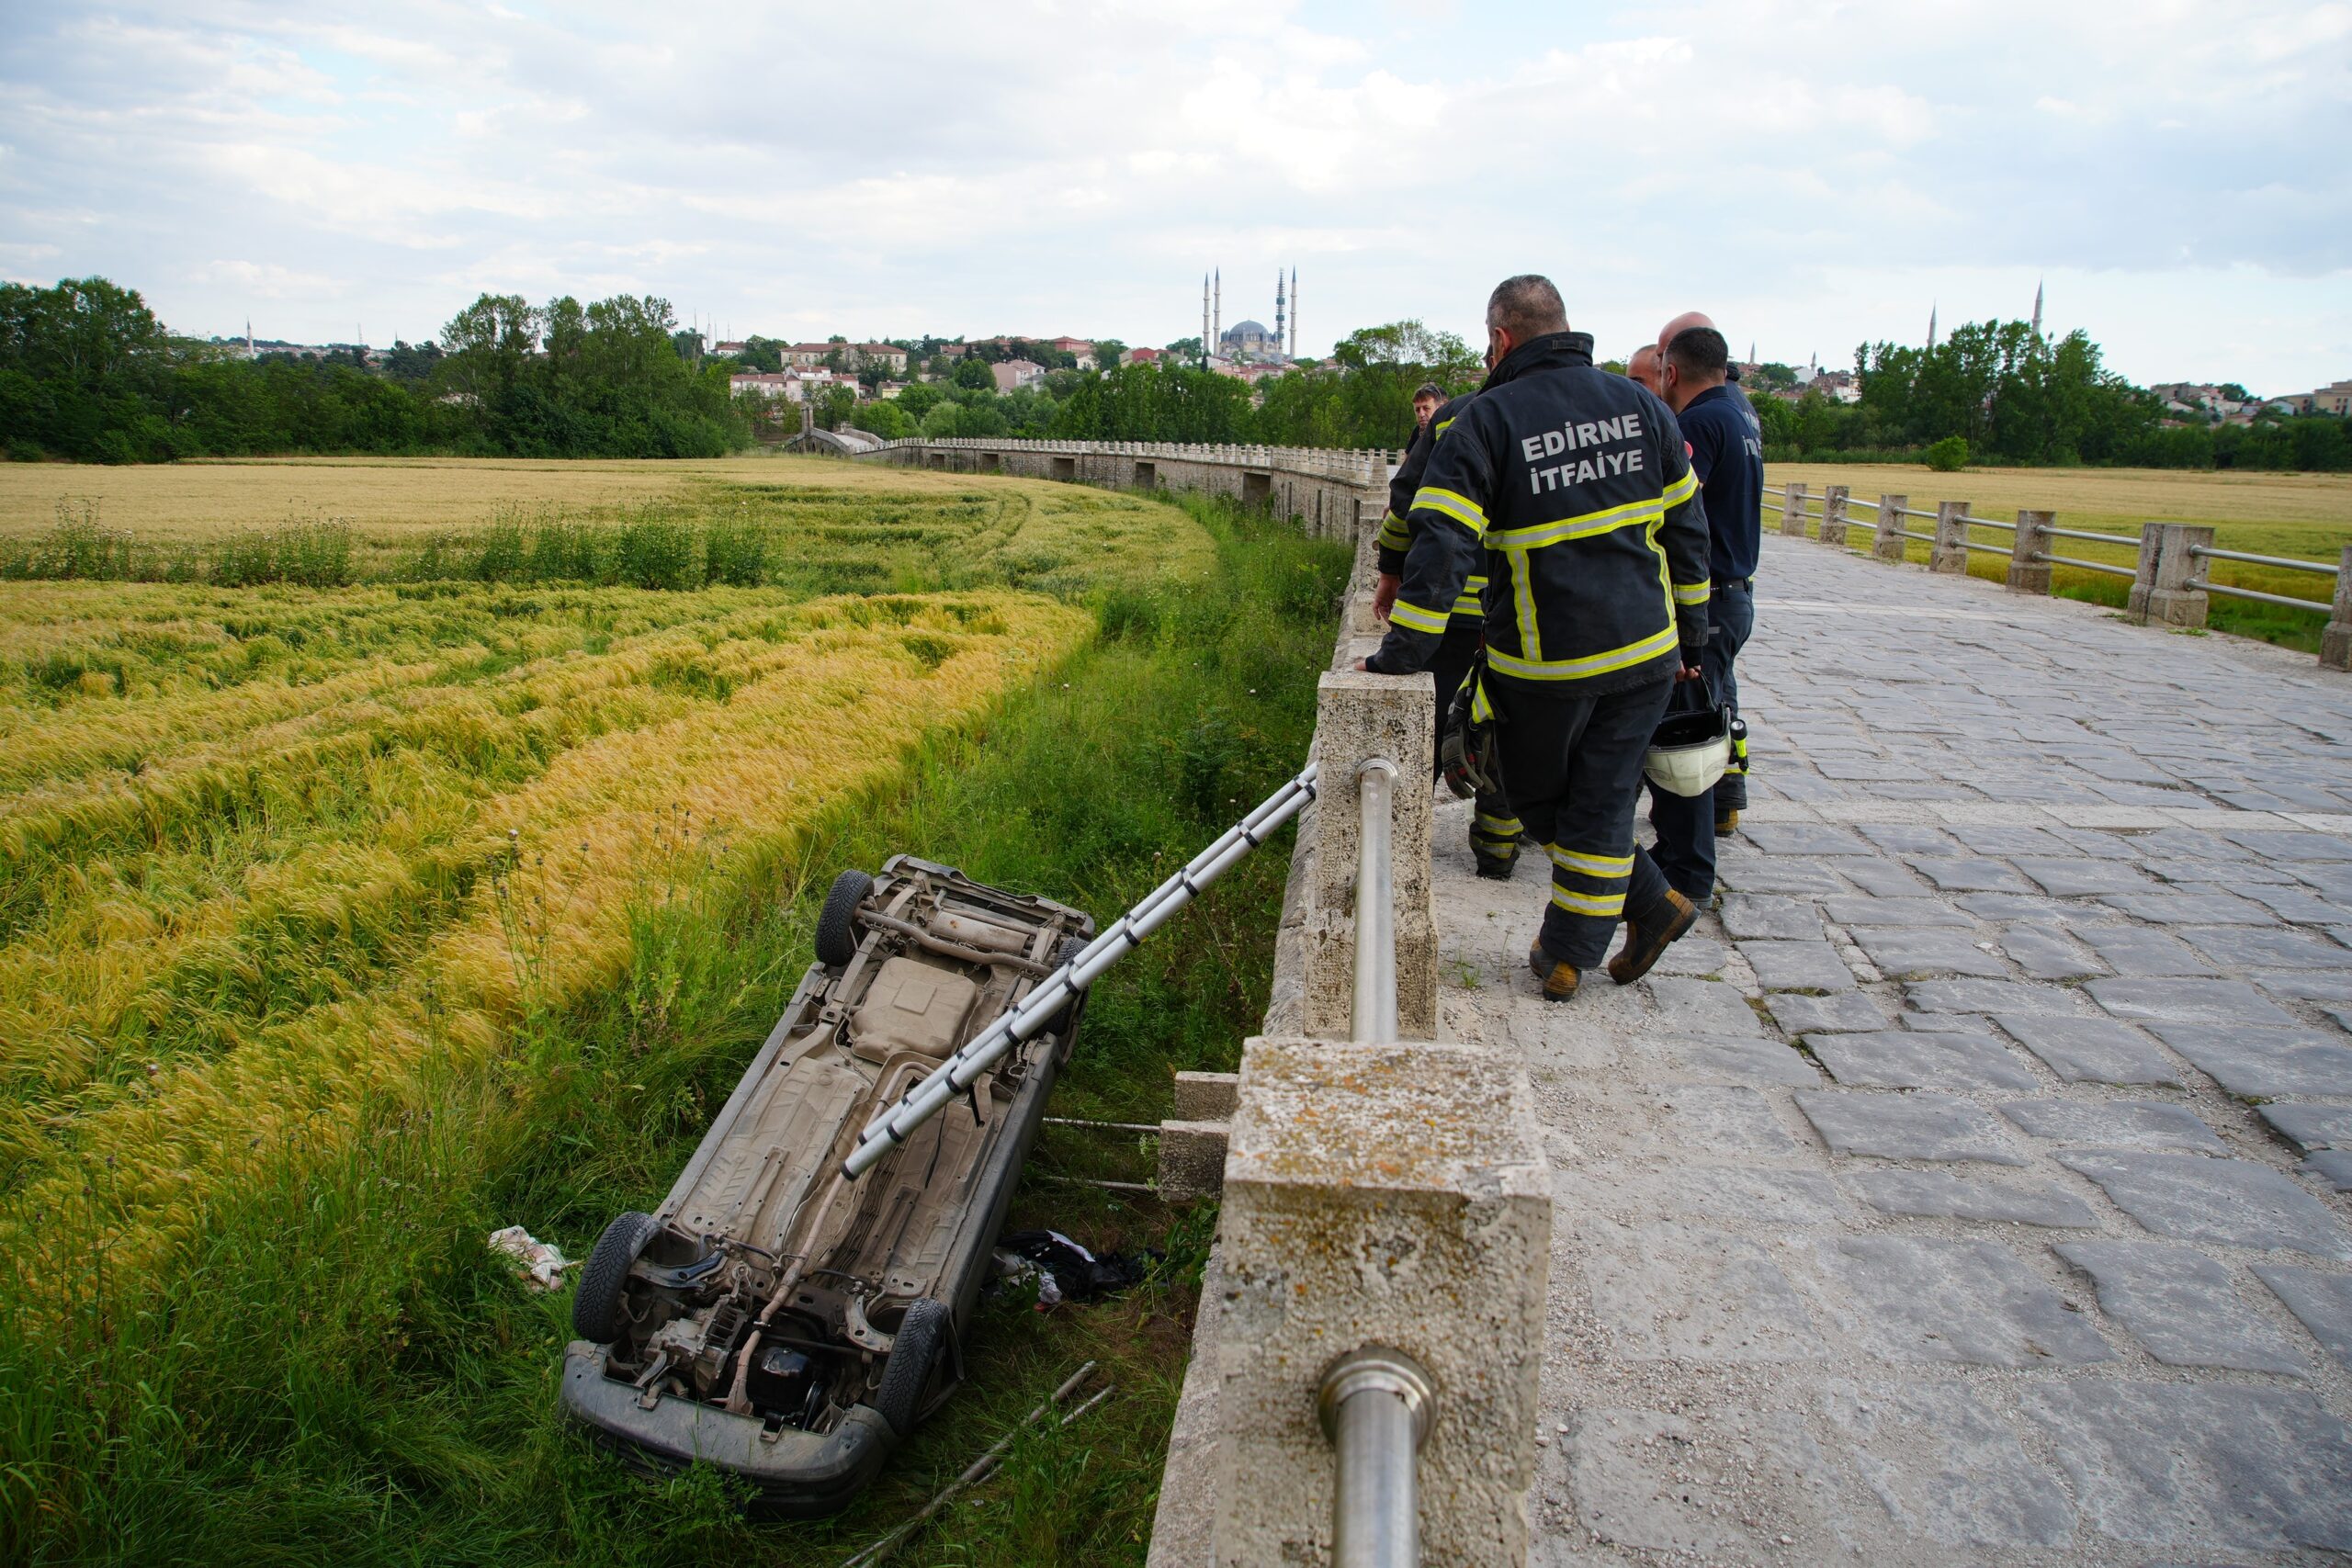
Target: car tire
(836, 931)
(914, 1350)
(596, 1310)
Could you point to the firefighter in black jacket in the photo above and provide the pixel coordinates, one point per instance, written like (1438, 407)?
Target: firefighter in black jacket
(1570, 489)
(1494, 831)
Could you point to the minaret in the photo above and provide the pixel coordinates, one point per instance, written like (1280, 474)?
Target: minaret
(1205, 322)
(1293, 349)
(249, 337)
(2037, 307)
(1216, 321)
(1281, 317)
(1931, 328)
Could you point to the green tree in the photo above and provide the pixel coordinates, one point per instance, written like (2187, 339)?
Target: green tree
(975, 373)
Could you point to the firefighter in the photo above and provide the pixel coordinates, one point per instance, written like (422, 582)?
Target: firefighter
(1494, 831)
(1574, 486)
(1728, 452)
(1641, 367)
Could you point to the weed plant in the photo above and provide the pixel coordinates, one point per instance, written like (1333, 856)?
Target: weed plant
(324, 1364)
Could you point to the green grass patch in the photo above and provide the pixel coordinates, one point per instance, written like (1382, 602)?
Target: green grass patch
(336, 1370)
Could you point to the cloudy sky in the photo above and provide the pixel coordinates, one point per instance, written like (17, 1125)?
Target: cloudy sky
(1813, 175)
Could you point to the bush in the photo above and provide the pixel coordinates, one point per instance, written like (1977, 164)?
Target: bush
(1948, 455)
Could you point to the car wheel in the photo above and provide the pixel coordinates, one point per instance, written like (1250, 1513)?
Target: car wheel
(914, 1349)
(596, 1310)
(836, 932)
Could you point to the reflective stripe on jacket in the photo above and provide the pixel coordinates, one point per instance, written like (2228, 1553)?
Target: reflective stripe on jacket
(1571, 489)
(1397, 529)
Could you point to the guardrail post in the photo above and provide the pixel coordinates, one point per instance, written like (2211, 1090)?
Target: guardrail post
(1359, 716)
(1951, 550)
(2028, 575)
(1888, 541)
(1793, 511)
(1832, 514)
(2160, 592)
(2336, 642)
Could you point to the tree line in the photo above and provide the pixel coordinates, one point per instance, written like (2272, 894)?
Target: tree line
(88, 372)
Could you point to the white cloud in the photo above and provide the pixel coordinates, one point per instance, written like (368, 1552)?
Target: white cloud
(1821, 169)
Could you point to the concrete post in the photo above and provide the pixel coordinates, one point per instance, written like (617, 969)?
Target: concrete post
(2028, 575)
(1832, 514)
(1340, 1233)
(1951, 551)
(1358, 716)
(1793, 511)
(2160, 592)
(2336, 642)
(1887, 543)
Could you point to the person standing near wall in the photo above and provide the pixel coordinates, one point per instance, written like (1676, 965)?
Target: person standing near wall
(1494, 830)
(1726, 446)
(1574, 486)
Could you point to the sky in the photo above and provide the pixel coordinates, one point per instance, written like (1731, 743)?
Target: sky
(1813, 174)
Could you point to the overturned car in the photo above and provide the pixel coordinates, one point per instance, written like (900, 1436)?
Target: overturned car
(776, 1316)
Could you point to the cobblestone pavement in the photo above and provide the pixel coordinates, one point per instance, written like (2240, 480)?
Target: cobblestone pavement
(1971, 1186)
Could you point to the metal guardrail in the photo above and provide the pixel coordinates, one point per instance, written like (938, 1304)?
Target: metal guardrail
(2130, 539)
(2109, 567)
(1375, 1406)
(2206, 585)
(1373, 1017)
(2200, 585)
(2290, 562)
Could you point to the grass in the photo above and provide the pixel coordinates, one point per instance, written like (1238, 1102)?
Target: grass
(2304, 516)
(315, 984)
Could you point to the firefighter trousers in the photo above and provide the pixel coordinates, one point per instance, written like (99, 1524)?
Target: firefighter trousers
(1494, 831)
(1572, 769)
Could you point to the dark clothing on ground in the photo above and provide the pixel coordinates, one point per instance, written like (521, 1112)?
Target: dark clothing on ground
(1573, 767)
(1572, 490)
(1686, 823)
(1727, 449)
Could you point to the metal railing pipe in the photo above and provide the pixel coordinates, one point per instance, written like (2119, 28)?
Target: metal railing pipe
(1376, 1405)
(2223, 589)
(2130, 539)
(1373, 1017)
(2288, 561)
(2109, 567)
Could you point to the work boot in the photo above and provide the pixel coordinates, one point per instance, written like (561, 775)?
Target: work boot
(1494, 868)
(1559, 979)
(1727, 824)
(1646, 940)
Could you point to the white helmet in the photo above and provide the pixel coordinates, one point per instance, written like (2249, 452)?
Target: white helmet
(1691, 748)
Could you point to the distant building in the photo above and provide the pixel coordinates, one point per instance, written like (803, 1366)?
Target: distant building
(888, 356)
(1012, 373)
(1144, 357)
(1082, 349)
(730, 350)
(1248, 340)
(775, 385)
(2336, 397)
(1837, 385)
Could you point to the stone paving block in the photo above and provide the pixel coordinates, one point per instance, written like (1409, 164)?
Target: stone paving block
(1907, 1059)
(1993, 997)
(1778, 874)
(1845, 1012)
(2334, 881)
(1702, 1007)
(2299, 906)
(1906, 1126)
(1684, 1293)
(1859, 912)
(2186, 1002)
(2332, 1167)
(2006, 906)
(1968, 874)
(1883, 879)
(2200, 1467)
(2239, 948)
(2231, 1202)
(2262, 1063)
(2080, 876)
(2178, 908)
(1723, 1119)
(1929, 1299)
(2309, 1127)
(2320, 1303)
(2137, 950)
(2002, 843)
(1810, 838)
(2305, 984)
(1694, 956)
(2181, 1305)
(1904, 953)
(1945, 1468)
(1939, 1194)
(2115, 1124)
(2294, 848)
(2091, 1050)
(1897, 837)
(1621, 1467)
(1750, 915)
(2047, 954)
(1736, 1060)
(1797, 966)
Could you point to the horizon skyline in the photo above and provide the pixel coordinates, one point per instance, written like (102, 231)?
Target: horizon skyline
(1811, 176)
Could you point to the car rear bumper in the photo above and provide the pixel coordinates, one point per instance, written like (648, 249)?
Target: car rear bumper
(798, 1474)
